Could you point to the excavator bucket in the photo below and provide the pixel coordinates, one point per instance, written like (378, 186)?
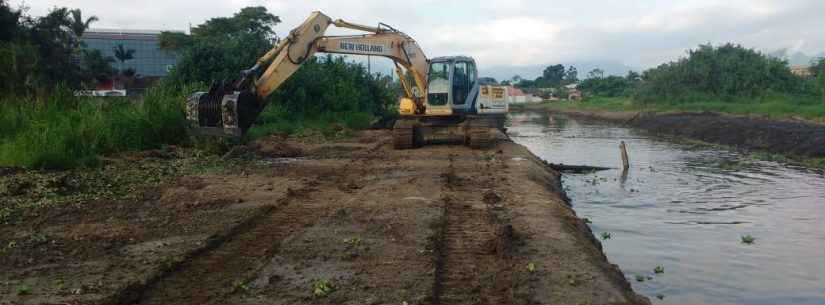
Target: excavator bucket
(223, 111)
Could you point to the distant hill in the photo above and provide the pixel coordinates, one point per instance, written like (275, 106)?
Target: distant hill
(531, 72)
(797, 58)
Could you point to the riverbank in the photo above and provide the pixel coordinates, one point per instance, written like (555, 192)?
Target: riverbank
(779, 109)
(298, 221)
(797, 140)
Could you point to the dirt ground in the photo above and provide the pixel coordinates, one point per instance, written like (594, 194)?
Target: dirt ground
(791, 137)
(346, 222)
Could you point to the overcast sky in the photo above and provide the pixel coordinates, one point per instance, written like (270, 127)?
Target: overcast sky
(637, 33)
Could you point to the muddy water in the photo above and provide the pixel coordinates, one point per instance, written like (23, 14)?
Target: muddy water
(686, 207)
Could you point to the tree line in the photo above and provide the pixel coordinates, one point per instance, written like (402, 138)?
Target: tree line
(726, 73)
(216, 50)
(40, 53)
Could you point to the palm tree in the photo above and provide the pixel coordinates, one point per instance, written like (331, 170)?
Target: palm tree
(123, 54)
(78, 24)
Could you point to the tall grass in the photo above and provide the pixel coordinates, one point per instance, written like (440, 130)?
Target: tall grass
(63, 131)
(277, 119)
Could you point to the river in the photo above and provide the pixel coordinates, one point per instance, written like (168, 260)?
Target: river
(687, 207)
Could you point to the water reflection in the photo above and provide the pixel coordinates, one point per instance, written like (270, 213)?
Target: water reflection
(685, 207)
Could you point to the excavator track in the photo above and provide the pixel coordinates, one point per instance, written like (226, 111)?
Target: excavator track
(480, 138)
(479, 133)
(403, 135)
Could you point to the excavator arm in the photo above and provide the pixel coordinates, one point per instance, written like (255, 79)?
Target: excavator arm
(231, 108)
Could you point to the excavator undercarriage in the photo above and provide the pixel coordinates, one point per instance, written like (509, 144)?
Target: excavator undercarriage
(476, 131)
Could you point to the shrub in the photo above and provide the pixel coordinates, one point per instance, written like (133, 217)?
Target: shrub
(729, 72)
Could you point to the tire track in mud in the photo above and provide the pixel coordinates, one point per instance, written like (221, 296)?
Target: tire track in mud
(472, 245)
(217, 271)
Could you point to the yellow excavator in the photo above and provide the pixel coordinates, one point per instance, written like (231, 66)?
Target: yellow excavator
(443, 99)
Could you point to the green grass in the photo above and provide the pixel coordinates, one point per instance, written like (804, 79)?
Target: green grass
(353, 241)
(659, 269)
(276, 119)
(24, 290)
(776, 106)
(322, 288)
(62, 131)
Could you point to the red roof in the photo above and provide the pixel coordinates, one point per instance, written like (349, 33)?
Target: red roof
(108, 84)
(513, 91)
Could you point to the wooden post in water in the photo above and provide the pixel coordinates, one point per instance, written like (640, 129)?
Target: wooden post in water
(625, 161)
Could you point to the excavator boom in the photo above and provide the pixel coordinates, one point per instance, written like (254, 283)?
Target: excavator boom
(230, 108)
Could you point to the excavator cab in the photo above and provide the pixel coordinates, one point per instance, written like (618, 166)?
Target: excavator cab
(452, 85)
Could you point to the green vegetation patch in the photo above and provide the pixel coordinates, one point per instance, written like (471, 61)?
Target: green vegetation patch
(322, 288)
(728, 78)
(63, 131)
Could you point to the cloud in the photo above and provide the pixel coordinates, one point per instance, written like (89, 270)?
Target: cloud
(639, 33)
(497, 40)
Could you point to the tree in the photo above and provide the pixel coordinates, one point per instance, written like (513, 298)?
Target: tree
(174, 41)
(516, 79)
(78, 24)
(526, 83)
(122, 54)
(17, 68)
(595, 73)
(221, 47)
(729, 73)
(571, 76)
(818, 67)
(633, 77)
(57, 48)
(552, 76)
(97, 66)
(41, 52)
(9, 22)
(255, 21)
(330, 84)
(611, 86)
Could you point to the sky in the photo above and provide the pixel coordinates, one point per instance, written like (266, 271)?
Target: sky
(516, 33)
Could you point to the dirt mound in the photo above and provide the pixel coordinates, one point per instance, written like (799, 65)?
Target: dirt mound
(795, 138)
(275, 146)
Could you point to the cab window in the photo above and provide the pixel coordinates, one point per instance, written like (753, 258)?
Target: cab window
(461, 82)
(439, 71)
(438, 84)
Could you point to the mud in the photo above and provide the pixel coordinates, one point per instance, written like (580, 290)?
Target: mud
(791, 137)
(351, 221)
